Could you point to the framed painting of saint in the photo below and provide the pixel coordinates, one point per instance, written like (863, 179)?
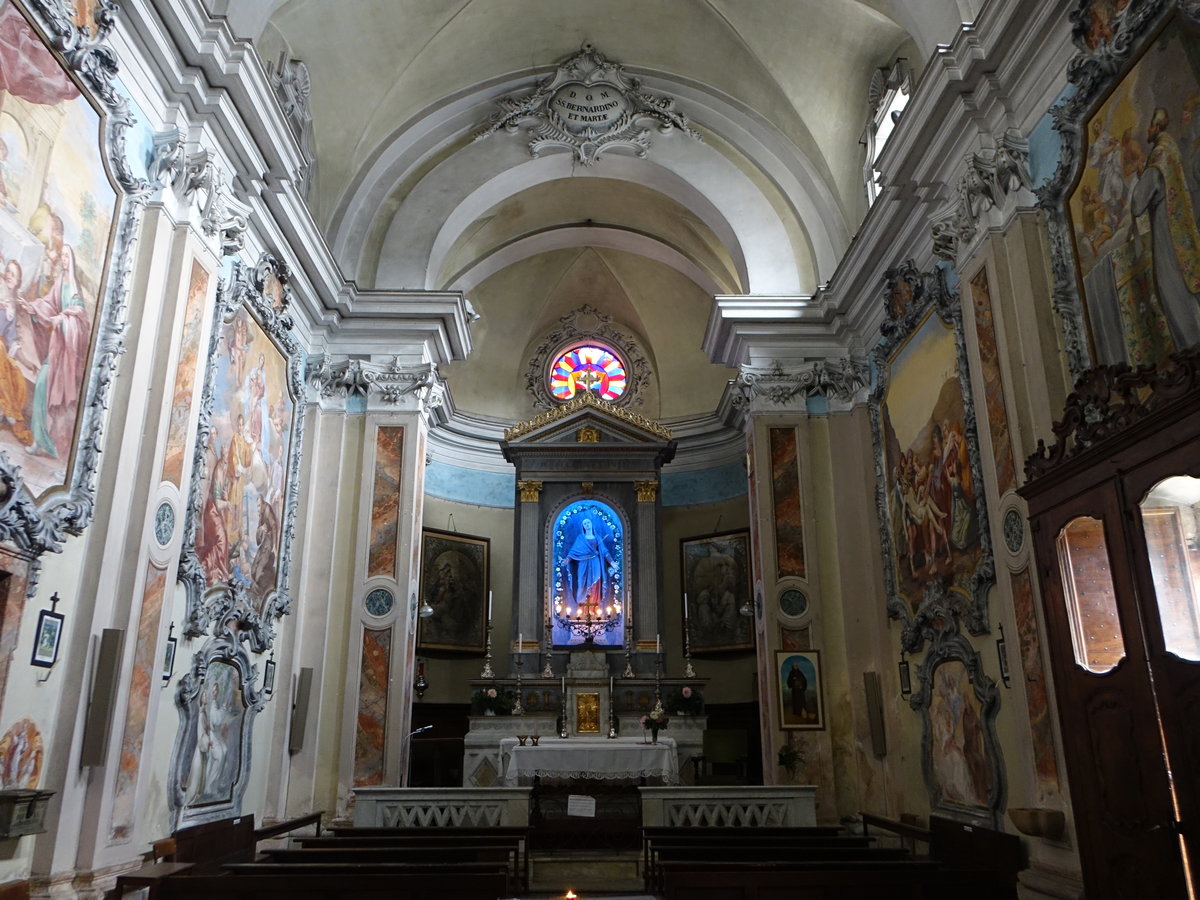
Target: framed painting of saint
(454, 583)
(716, 581)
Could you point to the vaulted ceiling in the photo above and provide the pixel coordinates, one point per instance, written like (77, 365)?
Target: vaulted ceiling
(765, 203)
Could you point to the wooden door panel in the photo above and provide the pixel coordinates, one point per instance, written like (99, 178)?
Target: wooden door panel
(1176, 679)
(1119, 788)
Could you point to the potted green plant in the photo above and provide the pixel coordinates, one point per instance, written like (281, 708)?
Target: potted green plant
(686, 701)
(492, 701)
(791, 758)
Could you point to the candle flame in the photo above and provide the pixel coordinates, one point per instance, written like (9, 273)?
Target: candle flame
(570, 895)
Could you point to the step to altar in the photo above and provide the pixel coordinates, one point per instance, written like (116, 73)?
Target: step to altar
(590, 874)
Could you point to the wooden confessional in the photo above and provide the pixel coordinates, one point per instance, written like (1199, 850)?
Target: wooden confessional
(1114, 508)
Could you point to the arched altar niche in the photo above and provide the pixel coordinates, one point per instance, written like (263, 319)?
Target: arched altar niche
(588, 461)
(587, 553)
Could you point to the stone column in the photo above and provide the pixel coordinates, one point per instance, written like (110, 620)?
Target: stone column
(647, 602)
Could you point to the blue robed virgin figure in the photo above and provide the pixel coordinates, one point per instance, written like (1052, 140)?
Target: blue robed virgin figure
(588, 571)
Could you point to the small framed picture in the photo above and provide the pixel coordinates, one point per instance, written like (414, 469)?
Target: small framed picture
(800, 690)
(269, 678)
(169, 659)
(49, 633)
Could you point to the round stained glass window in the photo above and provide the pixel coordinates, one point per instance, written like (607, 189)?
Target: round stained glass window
(587, 368)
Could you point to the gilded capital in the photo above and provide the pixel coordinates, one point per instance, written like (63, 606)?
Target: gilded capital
(646, 491)
(531, 491)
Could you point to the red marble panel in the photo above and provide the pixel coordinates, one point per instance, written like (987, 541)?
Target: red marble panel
(785, 494)
(1044, 760)
(385, 502)
(144, 677)
(185, 374)
(372, 707)
(993, 384)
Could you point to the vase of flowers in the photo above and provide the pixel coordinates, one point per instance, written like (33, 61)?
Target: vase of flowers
(491, 702)
(653, 723)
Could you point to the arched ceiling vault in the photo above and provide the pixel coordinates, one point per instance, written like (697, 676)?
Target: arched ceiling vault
(765, 203)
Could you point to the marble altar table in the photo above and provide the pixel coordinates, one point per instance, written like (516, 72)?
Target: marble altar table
(623, 758)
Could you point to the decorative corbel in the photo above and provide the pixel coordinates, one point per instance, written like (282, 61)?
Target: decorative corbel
(167, 159)
(220, 213)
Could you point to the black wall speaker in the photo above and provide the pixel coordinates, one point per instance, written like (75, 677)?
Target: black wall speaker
(98, 722)
(875, 712)
(300, 711)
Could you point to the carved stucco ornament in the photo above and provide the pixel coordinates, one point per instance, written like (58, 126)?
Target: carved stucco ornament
(587, 325)
(390, 381)
(589, 105)
(840, 379)
(996, 179)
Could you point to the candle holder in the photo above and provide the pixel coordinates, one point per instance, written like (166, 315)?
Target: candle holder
(518, 709)
(658, 712)
(487, 656)
(563, 731)
(688, 671)
(612, 714)
(547, 669)
(628, 673)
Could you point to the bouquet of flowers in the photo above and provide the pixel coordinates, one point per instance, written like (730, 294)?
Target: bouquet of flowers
(654, 723)
(791, 758)
(490, 701)
(685, 702)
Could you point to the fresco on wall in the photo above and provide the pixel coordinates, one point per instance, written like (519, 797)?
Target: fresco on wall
(785, 494)
(21, 756)
(371, 724)
(928, 493)
(960, 751)
(239, 535)
(993, 383)
(57, 211)
(217, 762)
(185, 373)
(385, 502)
(957, 754)
(1133, 210)
(931, 501)
(144, 678)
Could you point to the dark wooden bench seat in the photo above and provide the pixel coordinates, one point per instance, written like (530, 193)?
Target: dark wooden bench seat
(389, 885)
(515, 836)
(726, 842)
(790, 880)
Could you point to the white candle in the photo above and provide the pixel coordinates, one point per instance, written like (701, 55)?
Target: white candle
(489, 606)
(564, 685)
(520, 641)
(610, 687)
(658, 643)
(685, 606)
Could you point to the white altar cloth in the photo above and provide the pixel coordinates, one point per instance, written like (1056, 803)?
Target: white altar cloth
(580, 757)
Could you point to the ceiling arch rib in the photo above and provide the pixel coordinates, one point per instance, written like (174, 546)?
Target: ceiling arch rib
(693, 175)
(802, 186)
(584, 236)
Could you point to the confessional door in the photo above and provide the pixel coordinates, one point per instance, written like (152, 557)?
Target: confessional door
(1117, 539)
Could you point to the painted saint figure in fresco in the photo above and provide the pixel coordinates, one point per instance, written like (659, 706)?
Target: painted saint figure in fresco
(593, 563)
(1162, 192)
(798, 687)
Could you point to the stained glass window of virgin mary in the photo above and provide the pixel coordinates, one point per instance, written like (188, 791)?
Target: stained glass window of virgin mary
(588, 575)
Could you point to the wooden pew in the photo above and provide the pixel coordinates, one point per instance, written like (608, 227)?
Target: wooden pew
(390, 885)
(515, 836)
(717, 839)
(787, 880)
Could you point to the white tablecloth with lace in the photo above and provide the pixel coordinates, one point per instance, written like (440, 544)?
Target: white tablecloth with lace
(623, 758)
